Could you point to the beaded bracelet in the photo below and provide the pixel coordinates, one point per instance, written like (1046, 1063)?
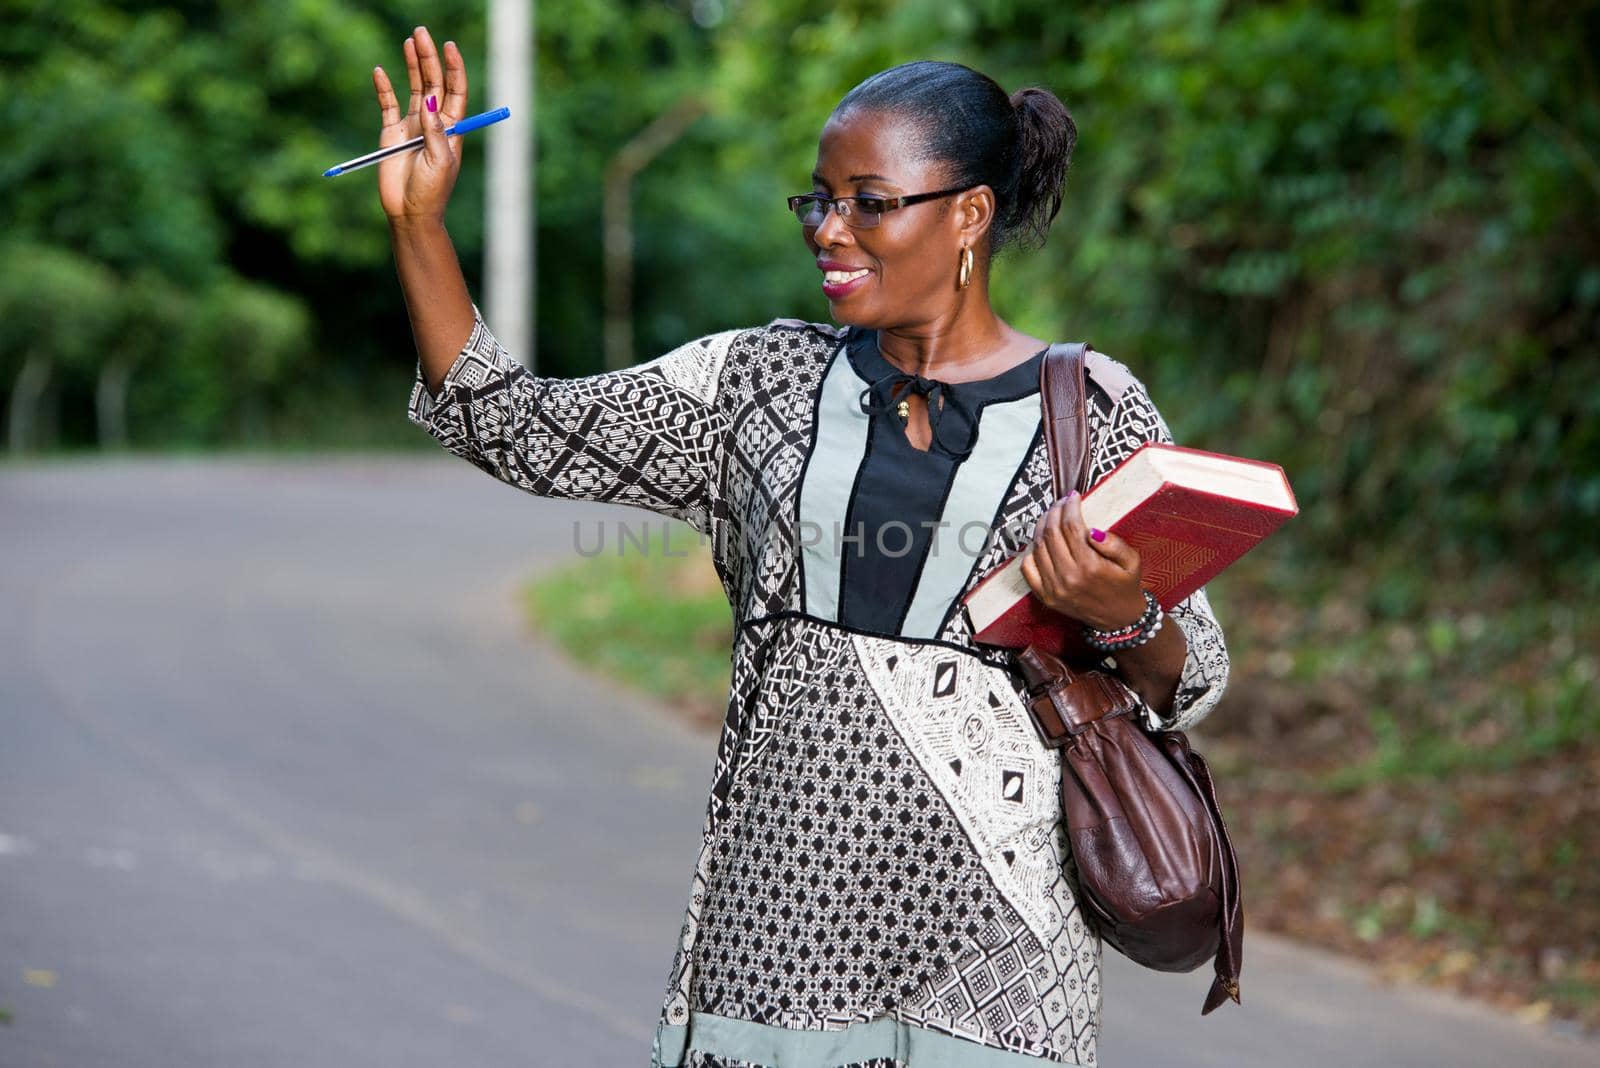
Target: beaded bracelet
(1134, 634)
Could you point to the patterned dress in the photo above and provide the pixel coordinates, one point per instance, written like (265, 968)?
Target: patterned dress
(881, 880)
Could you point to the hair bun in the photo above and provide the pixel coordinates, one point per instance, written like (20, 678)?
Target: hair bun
(1046, 135)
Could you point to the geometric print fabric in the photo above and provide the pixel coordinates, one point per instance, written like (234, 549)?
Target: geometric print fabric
(840, 876)
(881, 838)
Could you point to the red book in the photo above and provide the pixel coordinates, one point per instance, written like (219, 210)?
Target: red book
(1189, 512)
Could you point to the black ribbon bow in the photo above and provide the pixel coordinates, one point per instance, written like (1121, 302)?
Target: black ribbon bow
(879, 398)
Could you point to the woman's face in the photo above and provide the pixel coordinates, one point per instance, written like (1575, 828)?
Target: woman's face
(912, 256)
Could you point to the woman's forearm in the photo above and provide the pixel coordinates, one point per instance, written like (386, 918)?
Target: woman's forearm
(1152, 670)
(436, 295)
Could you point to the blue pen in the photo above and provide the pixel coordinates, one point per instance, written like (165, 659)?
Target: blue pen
(466, 125)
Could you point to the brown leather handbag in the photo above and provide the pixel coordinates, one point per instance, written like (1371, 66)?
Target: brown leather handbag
(1154, 862)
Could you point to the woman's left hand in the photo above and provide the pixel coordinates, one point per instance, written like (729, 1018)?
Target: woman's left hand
(1095, 582)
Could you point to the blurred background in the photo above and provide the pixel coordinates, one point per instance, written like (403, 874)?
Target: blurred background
(1361, 240)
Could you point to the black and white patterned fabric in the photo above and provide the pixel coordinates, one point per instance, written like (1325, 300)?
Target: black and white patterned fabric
(883, 874)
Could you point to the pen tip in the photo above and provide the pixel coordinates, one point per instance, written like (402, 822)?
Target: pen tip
(331, 171)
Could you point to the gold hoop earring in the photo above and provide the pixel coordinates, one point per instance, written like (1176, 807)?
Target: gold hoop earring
(964, 276)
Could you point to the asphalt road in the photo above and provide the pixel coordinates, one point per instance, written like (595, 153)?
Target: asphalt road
(285, 781)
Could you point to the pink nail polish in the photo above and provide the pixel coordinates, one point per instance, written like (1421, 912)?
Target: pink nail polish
(1097, 535)
(433, 104)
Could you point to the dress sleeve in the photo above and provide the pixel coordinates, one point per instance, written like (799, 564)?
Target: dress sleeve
(1134, 420)
(650, 436)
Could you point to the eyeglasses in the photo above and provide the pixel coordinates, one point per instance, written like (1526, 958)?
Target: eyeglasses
(859, 213)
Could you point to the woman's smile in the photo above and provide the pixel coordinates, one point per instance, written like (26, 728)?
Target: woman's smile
(841, 279)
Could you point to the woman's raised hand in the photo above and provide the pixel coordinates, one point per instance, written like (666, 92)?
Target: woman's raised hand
(415, 186)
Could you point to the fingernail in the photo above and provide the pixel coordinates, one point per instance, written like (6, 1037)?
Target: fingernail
(1071, 495)
(1097, 535)
(433, 105)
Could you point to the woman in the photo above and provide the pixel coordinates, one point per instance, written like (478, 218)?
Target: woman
(880, 881)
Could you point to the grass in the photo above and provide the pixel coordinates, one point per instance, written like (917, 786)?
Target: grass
(631, 611)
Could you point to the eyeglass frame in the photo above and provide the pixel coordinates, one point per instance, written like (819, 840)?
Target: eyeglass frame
(889, 204)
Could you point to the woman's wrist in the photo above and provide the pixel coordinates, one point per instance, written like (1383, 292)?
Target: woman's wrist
(1154, 669)
(1125, 614)
(1129, 635)
(435, 294)
(413, 227)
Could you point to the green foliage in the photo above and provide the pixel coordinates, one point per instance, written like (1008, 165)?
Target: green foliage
(1359, 242)
(1356, 239)
(239, 341)
(1336, 223)
(54, 303)
(179, 149)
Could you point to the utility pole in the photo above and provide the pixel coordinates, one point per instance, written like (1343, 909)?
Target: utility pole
(510, 269)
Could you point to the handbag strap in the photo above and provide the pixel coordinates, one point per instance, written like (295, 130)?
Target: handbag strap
(1064, 701)
(1064, 697)
(1064, 396)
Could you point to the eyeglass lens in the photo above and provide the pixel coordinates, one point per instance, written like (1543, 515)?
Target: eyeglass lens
(810, 210)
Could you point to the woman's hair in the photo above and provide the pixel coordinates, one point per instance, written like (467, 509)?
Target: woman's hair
(1018, 145)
